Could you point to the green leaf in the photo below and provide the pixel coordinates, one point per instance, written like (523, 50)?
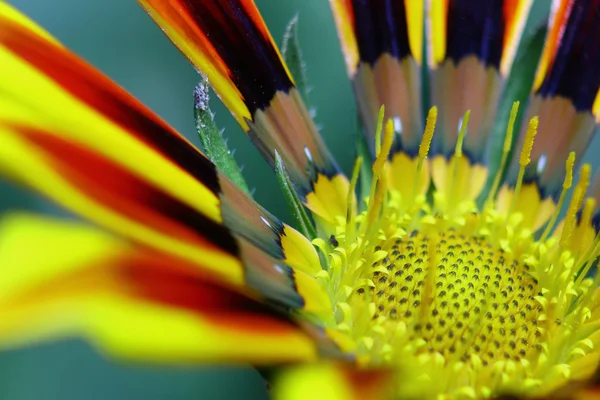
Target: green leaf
(292, 55)
(301, 219)
(518, 88)
(213, 142)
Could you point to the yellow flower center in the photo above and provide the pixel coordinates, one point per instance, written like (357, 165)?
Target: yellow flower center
(463, 299)
(478, 301)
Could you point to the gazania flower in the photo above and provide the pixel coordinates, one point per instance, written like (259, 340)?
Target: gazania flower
(448, 278)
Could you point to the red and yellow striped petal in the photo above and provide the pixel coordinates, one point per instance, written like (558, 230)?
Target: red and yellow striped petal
(490, 31)
(193, 25)
(343, 16)
(471, 47)
(566, 94)
(229, 41)
(116, 198)
(275, 241)
(113, 197)
(559, 16)
(357, 23)
(333, 382)
(42, 79)
(131, 302)
(70, 133)
(382, 45)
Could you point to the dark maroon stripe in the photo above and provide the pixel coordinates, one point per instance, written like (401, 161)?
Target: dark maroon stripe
(120, 190)
(253, 63)
(157, 280)
(575, 72)
(475, 27)
(93, 88)
(380, 27)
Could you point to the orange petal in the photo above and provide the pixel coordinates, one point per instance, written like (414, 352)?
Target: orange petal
(228, 41)
(333, 382)
(566, 94)
(491, 31)
(131, 302)
(66, 72)
(471, 49)
(73, 135)
(116, 198)
(382, 45)
(571, 55)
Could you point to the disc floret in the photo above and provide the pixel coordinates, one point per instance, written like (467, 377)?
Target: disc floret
(463, 296)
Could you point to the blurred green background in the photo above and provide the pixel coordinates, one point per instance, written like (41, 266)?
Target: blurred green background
(120, 39)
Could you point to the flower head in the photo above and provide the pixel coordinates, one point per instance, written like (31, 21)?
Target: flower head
(452, 275)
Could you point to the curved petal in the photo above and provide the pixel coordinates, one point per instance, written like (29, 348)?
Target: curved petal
(228, 41)
(131, 302)
(566, 94)
(333, 382)
(116, 198)
(470, 48)
(382, 43)
(70, 133)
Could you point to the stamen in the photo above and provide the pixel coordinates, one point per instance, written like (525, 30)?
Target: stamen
(565, 188)
(377, 153)
(584, 175)
(505, 151)
(452, 290)
(589, 258)
(385, 148)
(425, 144)
(461, 136)
(588, 265)
(428, 133)
(571, 217)
(586, 216)
(525, 158)
(575, 205)
(350, 214)
(378, 131)
(378, 187)
(458, 153)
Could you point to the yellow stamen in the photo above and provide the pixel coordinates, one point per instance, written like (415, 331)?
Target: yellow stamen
(569, 171)
(458, 290)
(458, 153)
(378, 187)
(461, 136)
(590, 206)
(586, 216)
(377, 153)
(350, 214)
(565, 188)
(425, 144)
(378, 131)
(584, 175)
(589, 258)
(378, 168)
(384, 149)
(571, 218)
(505, 151)
(525, 158)
(428, 134)
(575, 204)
